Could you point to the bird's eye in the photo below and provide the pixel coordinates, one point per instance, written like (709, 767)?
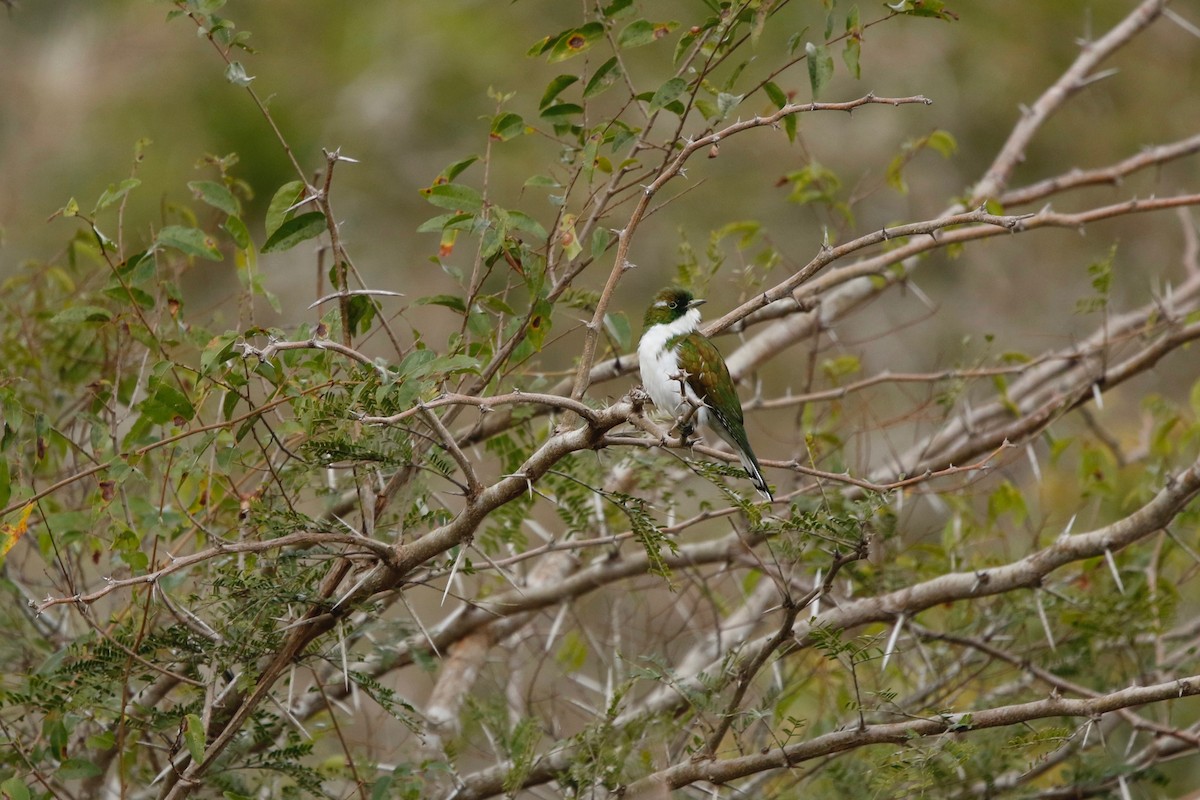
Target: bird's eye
(672, 305)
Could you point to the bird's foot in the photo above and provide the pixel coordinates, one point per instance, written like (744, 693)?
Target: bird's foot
(686, 431)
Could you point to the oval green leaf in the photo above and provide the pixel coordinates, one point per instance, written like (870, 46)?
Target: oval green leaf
(295, 231)
(605, 76)
(667, 93)
(216, 195)
(285, 197)
(189, 241)
(455, 196)
(555, 87)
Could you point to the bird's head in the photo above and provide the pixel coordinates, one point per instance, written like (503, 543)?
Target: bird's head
(669, 305)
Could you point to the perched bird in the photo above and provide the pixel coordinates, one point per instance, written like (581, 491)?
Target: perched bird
(684, 375)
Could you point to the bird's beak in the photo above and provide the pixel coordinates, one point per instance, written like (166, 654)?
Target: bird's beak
(696, 303)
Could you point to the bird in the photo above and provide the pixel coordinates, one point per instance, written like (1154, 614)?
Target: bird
(685, 375)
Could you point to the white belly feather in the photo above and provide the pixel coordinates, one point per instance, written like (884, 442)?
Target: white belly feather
(659, 364)
(661, 380)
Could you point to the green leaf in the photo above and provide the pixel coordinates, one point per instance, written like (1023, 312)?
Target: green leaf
(453, 365)
(543, 44)
(685, 43)
(852, 20)
(413, 365)
(588, 157)
(5, 482)
(605, 76)
(165, 404)
(1007, 499)
(218, 350)
(924, 8)
(707, 108)
(894, 174)
(576, 41)
(568, 238)
(746, 230)
(943, 142)
(820, 66)
(441, 222)
(122, 294)
(448, 300)
(840, 367)
(616, 8)
(544, 181)
(601, 239)
(237, 231)
(380, 790)
(73, 769)
(813, 184)
(454, 170)
(851, 56)
(668, 92)
(15, 789)
(617, 325)
(555, 87)
(572, 653)
(189, 241)
(360, 311)
(115, 192)
(285, 197)
(193, 734)
(507, 126)
(520, 221)
(216, 195)
(642, 32)
(539, 324)
(775, 94)
(562, 110)
(76, 314)
(294, 231)
(727, 102)
(455, 196)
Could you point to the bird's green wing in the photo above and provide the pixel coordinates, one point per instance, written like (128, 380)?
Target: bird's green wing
(708, 377)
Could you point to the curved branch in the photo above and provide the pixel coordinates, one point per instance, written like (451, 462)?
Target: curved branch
(1075, 78)
(1027, 572)
(723, 771)
(673, 168)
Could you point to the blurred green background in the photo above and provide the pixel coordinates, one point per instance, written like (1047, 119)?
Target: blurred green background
(404, 88)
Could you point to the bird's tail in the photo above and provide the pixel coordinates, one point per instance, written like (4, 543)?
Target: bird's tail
(750, 463)
(735, 436)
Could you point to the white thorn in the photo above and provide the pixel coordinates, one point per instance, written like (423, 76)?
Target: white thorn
(816, 601)
(891, 642)
(453, 570)
(1067, 530)
(1045, 622)
(1033, 462)
(1112, 566)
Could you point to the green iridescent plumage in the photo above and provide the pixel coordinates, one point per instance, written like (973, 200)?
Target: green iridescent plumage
(674, 356)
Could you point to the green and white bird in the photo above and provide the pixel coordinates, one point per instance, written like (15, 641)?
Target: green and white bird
(682, 370)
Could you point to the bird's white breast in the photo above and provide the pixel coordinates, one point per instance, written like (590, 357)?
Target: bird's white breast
(658, 363)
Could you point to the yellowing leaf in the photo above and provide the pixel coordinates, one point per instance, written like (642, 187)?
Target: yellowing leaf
(13, 533)
(568, 238)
